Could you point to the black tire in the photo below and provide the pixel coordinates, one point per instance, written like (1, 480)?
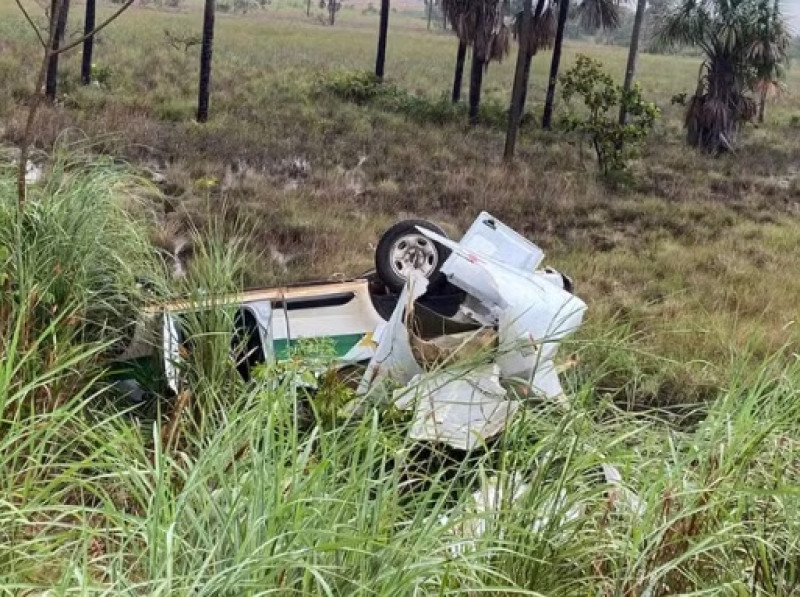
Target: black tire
(433, 254)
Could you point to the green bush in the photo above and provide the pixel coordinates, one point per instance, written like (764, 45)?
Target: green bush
(364, 88)
(598, 120)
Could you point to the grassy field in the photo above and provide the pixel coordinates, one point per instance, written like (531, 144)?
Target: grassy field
(688, 273)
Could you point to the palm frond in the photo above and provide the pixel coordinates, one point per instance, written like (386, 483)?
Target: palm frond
(598, 14)
(499, 44)
(492, 38)
(686, 24)
(544, 30)
(769, 88)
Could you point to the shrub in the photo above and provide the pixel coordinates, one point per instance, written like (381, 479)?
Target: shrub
(364, 88)
(602, 99)
(102, 74)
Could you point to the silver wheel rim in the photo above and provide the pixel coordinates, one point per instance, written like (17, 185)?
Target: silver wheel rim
(413, 252)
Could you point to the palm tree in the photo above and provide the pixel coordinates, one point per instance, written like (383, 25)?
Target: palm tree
(728, 32)
(555, 64)
(206, 51)
(333, 8)
(540, 35)
(547, 31)
(769, 52)
(457, 12)
(480, 24)
(461, 56)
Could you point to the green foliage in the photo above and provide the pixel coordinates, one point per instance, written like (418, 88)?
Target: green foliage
(173, 110)
(217, 270)
(69, 269)
(358, 87)
(310, 371)
(102, 73)
(80, 241)
(598, 121)
(364, 88)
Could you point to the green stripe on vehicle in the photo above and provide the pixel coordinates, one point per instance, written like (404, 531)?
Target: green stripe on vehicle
(341, 344)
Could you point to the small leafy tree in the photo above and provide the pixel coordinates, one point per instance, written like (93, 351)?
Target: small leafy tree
(598, 121)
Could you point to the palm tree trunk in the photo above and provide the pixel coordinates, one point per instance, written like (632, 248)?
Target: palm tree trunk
(529, 60)
(762, 104)
(206, 51)
(633, 54)
(88, 43)
(717, 134)
(514, 111)
(459, 76)
(547, 117)
(475, 86)
(383, 31)
(526, 76)
(308, 8)
(332, 12)
(58, 20)
(429, 4)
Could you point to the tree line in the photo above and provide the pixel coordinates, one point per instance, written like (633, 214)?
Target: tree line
(745, 46)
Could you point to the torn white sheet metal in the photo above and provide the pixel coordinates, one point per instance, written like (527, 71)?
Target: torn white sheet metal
(490, 498)
(495, 495)
(623, 498)
(171, 352)
(462, 409)
(490, 237)
(538, 317)
(393, 358)
(532, 312)
(33, 172)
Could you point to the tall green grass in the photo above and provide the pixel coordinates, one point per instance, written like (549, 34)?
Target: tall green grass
(264, 501)
(69, 263)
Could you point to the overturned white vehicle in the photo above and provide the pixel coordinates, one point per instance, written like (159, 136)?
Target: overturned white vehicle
(451, 324)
